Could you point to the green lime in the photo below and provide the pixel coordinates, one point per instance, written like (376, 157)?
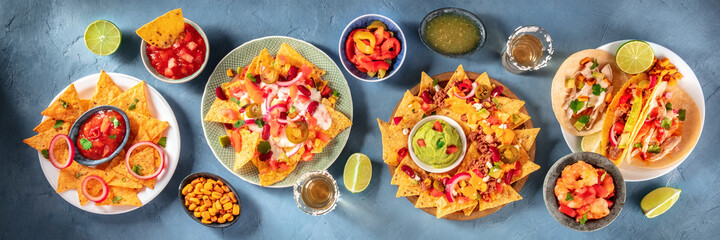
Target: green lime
(659, 201)
(224, 141)
(358, 172)
(634, 57)
(102, 37)
(590, 143)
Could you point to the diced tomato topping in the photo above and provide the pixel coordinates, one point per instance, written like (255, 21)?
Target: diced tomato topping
(322, 137)
(610, 203)
(567, 210)
(236, 140)
(307, 156)
(625, 98)
(421, 142)
(326, 92)
(273, 164)
(396, 120)
(437, 126)
(478, 172)
(283, 166)
(493, 120)
(451, 149)
(435, 193)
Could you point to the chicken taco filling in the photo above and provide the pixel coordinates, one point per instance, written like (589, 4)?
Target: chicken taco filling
(587, 93)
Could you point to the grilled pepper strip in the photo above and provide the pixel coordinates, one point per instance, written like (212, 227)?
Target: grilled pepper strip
(390, 48)
(361, 45)
(350, 46)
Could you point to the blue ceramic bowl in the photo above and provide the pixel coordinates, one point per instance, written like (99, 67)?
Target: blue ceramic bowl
(459, 11)
(206, 175)
(75, 130)
(362, 22)
(597, 161)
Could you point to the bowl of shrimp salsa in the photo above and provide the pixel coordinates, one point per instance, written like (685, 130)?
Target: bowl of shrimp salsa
(584, 191)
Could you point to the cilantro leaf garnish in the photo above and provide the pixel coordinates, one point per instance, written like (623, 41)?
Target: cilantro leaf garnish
(116, 199)
(666, 123)
(238, 124)
(681, 114)
(115, 122)
(260, 122)
(58, 124)
(45, 153)
(251, 77)
(597, 89)
(335, 93)
(86, 144)
(668, 106)
(292, 109)
(263, 147)
(77, 175)
(64, 104)
(435, 82)
(568, 197)
(137, 169)
(584, 119)
(132, 106)
(584, 219)
(162, 141)
(576, 105)
(602, 178)
(594, 65)
(112, 136)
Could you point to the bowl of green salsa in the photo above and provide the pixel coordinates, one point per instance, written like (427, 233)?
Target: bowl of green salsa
(452, 32)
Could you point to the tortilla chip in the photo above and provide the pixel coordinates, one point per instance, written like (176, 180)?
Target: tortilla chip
(526, 137)
(215, 114)
(410, 110)
(457, 117)
(134, 96)
(151, 126)
(41, 141)
(264, 59)
(426, 83)
(145, 159)
(68, 179)
(483, 79)
(94, 187)
(406, 185)
(49, 124)
(527, 166)
(507, 196)
(121, 196)
(164, 30)
(392, 141)
(339, 123)
(105, 90)
(425, 200)
(269, 177)
(509, 105)
(252, 67)
(72, 110)
(453, 207)
(459, 75)
(293, 58)
(517, 120)
(468, 210)
(250, 141)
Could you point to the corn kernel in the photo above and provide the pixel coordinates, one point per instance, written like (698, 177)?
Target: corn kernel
(236, 209)
(216, 195)
(192, 207)
(206, 221)
(197, 214)
(218, 189)
(217, 205)
(224, 199)
(227, 206)
(205, 215)
(212, 211)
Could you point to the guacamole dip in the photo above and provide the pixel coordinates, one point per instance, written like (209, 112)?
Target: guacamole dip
(436, 143)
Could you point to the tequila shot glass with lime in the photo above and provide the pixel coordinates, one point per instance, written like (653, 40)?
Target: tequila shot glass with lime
(316, 193)
(529, 48)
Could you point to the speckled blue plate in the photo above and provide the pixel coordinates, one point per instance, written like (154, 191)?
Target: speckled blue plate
(242, 56)
(597, 161)
(362, 22)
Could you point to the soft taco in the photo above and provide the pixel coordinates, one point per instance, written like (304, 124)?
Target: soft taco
(582, 88)
(669, 131)
(623, 115)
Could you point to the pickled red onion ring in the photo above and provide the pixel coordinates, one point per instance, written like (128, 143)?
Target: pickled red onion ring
(71, 154)
(295, 150)
(291, 82)
(162, 160)
(104, 185)
(454, 181)
(470, 94)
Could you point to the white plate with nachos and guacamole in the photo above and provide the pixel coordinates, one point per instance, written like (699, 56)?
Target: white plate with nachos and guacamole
(275, 108)
(110, 187)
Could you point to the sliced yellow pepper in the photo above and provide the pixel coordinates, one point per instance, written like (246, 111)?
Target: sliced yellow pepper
(364, 48)
(376, 24)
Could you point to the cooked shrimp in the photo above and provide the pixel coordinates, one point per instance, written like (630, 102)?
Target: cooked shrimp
(578, 175)
(598, 209)
(561, 192)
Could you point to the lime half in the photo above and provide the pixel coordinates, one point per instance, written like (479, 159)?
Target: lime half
(634, 57)
(659, 201)
(102, 37)
(591, 143)
(357, 173)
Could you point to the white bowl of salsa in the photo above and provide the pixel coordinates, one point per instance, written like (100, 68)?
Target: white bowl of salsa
(181, 62)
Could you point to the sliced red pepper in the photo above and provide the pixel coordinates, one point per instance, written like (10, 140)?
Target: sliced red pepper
(350, 47)
(567, 210)
(390, 48)
(326, 92)
(379, 34)
(610, 203)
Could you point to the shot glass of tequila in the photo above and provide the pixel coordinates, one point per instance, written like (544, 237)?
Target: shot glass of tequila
(529, 48)
(316, 193)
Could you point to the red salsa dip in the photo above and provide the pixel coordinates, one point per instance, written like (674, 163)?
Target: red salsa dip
(183, 58)
(101, 135)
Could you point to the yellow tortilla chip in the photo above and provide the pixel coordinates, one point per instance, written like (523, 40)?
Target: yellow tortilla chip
(527, 166)
(145, 159)
(405, 190)
(526, 137)
(133, 100)
(483, 79)
(426, 83)
(509, 105)
(215, 114)
(41, 141)
(86, 104)
(67, 107)
(94, 187)
(264, 59)
(517, 120)
(507, 196)
(410, 110)
(164, 30)
(406, 185)
(453, 207)
(121, 196)
(105, 90)
(68, 178)
(339, 123)
(468, 210)
(459, 75)
(269, 177)
(392, 141)
(49, 124)
(425, 200)
(293, 58)
(250, 141)
(153, 127)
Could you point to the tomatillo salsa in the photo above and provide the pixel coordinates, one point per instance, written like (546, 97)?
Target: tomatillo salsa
(101, 134)
(183, 58)
(436, 143)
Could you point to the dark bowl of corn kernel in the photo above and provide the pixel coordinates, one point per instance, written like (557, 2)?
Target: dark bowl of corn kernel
(209, 200)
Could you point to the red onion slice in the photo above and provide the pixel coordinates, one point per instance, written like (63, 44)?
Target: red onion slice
(470, 94)
(71, 154)
(162, 160)
(104, 185)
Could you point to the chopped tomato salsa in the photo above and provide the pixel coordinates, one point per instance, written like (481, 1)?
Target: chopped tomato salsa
(101, 135)
(183, 58)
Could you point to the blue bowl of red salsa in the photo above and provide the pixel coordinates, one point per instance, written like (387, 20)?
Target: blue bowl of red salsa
(99, 135)
(181, 62)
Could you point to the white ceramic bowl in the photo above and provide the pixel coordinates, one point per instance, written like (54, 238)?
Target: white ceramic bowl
(430, 168)
(152, 71)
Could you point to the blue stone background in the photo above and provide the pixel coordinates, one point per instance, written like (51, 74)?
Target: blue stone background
(42, 51)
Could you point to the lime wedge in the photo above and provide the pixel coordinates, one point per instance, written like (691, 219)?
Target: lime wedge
(590, 143)
(358, 172)
(634, 57)
(102, 37)
(659, 201)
